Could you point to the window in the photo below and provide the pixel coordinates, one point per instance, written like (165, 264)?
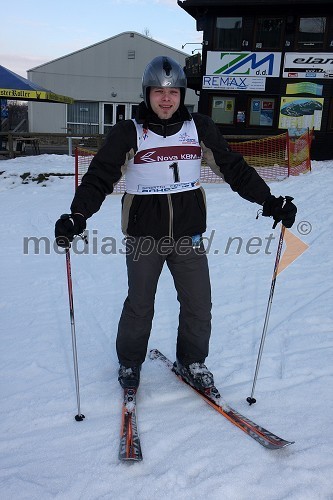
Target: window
(269, 32)
(311, 32)
(262, 111)
(82, 118)
(228, 33)
(223, 110)
(134, 109)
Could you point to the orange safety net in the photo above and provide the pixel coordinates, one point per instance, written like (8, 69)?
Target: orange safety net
(83, 158)
(268, 155)
(274, 158)
(299, 153)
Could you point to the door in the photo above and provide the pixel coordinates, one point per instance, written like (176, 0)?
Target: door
(107, 117)
(115, 112)
(120, 112)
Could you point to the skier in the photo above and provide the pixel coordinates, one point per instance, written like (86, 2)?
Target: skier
(164, 215)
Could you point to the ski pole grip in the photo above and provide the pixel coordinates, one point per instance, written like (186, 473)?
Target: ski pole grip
(286, 199)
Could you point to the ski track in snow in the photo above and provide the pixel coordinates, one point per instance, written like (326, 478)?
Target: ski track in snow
(189, 450)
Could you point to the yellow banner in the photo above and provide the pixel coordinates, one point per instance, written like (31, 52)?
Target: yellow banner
(34, 95)
(59, 98)
(304, 88)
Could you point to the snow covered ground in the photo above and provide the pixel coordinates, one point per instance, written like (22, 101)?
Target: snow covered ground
(190, 451)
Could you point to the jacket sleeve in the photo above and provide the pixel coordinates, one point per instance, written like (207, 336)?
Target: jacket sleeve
(229, 164)
(105, 169)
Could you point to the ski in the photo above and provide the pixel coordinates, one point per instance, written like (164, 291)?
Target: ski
(213, 398)
(130, 447)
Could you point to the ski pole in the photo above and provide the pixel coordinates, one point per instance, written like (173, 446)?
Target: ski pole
(79, 415)
(251, 399)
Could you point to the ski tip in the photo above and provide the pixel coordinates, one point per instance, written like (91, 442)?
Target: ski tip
(289, 443)
(281, 445)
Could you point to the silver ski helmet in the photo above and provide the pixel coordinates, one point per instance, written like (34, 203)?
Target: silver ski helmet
(163, 71)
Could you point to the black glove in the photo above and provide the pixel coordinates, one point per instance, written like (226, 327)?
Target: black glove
(67, 227)
(281, 209)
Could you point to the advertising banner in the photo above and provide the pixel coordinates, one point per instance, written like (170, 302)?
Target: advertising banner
(251, 64)
(301, 112)
(308, 65)
(233, 83)
(304, 88)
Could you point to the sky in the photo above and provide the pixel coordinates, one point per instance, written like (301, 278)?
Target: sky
(190, 452)
(37, 32)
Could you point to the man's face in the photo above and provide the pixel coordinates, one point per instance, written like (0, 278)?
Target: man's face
(164, 101)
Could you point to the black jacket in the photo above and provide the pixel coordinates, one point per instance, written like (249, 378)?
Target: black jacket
(157, 215)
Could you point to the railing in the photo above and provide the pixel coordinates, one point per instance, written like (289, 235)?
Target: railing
(12, 144)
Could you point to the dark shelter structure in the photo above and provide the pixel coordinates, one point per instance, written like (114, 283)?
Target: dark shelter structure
(266, 67)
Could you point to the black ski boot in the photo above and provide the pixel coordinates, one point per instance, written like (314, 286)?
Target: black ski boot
(196, 374)
(129, 377)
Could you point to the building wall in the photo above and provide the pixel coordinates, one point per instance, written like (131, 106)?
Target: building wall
(108, 72)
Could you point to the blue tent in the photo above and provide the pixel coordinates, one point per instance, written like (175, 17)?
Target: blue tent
(15, 87)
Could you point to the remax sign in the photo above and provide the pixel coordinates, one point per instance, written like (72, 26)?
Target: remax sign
(233, 82)
(263, 64)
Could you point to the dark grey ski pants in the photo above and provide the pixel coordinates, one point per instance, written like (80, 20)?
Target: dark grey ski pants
(145, 258)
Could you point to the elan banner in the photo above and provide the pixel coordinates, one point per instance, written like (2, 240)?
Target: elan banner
(251, 64)
(308, 65)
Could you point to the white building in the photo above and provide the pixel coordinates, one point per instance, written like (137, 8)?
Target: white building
(104, 79)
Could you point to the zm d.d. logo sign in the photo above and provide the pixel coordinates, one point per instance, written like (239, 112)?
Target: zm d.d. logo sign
(265, 64)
